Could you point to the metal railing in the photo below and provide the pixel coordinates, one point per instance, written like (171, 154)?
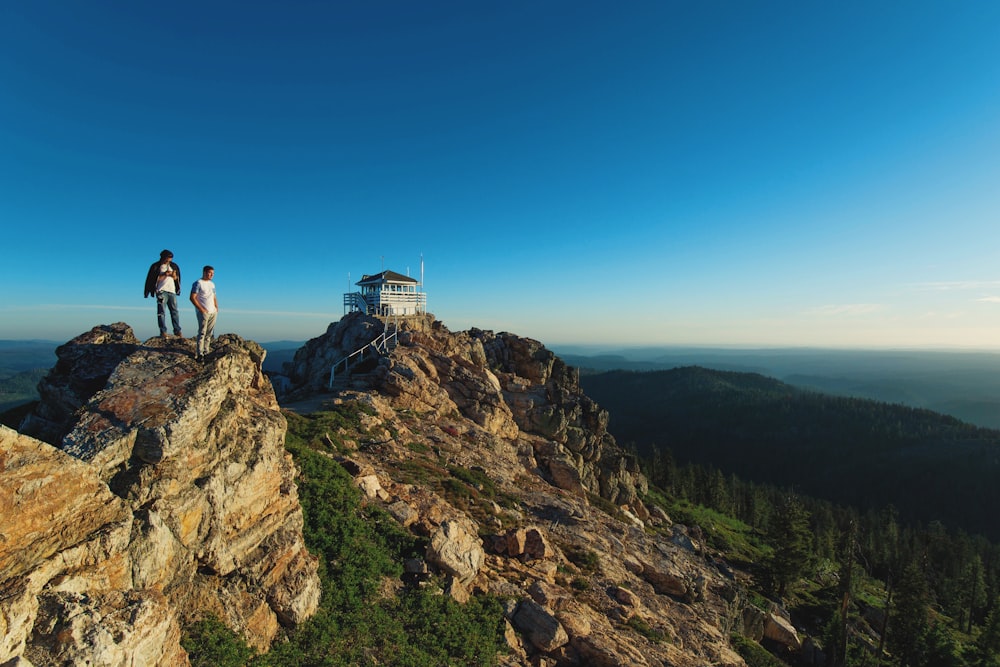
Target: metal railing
(383, 344)
(355, 301)
(385, 302)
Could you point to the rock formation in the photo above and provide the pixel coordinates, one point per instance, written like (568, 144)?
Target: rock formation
(565, 536)
(164, 493)
(509, 387)
(147, 490)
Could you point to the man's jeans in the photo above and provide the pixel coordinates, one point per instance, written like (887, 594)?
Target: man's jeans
(165, 300)
(206, 328)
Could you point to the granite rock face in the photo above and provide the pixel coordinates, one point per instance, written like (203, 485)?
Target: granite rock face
(510, 386)
(166, 496)
(552, 518)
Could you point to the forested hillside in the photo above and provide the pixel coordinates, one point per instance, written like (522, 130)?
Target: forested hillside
(22, 364)
(19, 388)
(862, 453)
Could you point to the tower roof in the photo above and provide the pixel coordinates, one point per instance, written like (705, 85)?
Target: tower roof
(386, 277)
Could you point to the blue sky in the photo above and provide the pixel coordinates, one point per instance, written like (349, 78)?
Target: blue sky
(691, 173)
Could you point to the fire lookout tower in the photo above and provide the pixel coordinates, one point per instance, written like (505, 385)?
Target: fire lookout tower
(387, 294)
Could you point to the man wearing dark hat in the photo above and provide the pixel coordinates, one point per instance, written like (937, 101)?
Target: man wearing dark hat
(164, 282)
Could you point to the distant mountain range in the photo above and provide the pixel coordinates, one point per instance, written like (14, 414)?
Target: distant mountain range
(963, 384)
(25, 355)
(859, 452)
(279, 352)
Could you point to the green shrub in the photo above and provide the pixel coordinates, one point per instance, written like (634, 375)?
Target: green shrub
(604, 505)
(754, 654)
(646, 630)
(477, 479)
(359, 547)
(312, 429)
(209, 643)
(585, 559)
(418, 447)
(456, 490)
(420, 472)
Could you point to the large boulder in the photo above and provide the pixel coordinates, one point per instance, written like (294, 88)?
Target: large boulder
(457, 550)
(778, 628)
(540, 625)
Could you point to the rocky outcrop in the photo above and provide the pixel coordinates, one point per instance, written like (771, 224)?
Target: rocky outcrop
(586, 582)
(167, 495)
(511, 387)
(163, 493)
(82, 369)
(546, 400)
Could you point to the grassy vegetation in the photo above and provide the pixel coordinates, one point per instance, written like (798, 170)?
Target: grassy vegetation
(754, 654)
(740, 543)
(312, 430)
(418, 448)
(604, 505)
(646, 630)
(585, 559)
(470, 490)
(359, 547)
(210, 643)
(477, 479)
(421, 472)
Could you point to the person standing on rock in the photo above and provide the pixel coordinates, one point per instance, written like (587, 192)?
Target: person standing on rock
(203, 298)
(164, 282)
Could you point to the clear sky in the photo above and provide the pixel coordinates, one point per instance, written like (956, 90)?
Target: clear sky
(663, 172)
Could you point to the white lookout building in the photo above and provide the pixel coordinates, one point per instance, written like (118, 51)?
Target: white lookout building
(387, 293)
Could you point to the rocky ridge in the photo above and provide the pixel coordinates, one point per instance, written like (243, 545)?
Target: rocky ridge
(592, 575)
(163, 493)
(146, 490)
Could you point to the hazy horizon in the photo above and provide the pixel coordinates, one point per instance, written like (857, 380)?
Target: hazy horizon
(630, 349)
(961, 383)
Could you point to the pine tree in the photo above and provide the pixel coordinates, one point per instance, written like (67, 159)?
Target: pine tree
(971, 591)
(908, 622)
(837, 631)
(987, 646)
(941, 648)
(792, 541)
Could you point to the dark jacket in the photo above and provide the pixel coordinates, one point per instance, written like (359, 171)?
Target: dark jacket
(154, 273)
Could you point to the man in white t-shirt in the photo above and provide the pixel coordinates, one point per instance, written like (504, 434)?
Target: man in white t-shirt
(203, 298)
(164, 282)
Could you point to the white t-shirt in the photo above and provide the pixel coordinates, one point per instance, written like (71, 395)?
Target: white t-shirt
(204, 292)
(165, 283)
